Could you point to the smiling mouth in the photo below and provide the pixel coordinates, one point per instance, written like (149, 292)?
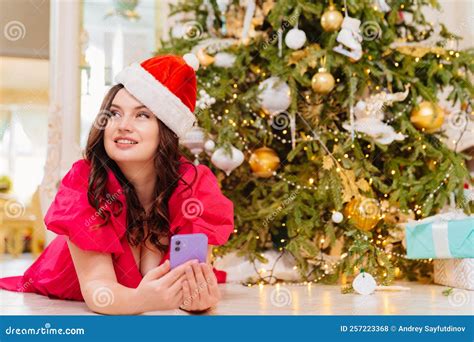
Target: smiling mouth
(125, 141)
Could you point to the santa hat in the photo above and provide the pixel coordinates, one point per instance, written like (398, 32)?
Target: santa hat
(166, 85)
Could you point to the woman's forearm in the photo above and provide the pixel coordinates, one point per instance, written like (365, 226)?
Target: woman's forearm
(112, 298)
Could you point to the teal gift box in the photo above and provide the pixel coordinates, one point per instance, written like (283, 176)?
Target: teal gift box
(443, 236)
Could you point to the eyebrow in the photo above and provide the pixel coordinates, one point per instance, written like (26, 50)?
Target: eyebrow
(138, 107)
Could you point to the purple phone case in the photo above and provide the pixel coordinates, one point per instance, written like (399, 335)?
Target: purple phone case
(185, 247)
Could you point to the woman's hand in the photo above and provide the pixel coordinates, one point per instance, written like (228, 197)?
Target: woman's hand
(161, 289)
(200, 290)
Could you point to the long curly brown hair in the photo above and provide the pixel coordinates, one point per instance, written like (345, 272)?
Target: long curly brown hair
(167, 165)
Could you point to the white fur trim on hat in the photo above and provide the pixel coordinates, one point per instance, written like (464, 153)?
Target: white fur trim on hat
(160, 100)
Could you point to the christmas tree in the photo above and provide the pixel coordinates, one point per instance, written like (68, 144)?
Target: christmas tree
(322, 122)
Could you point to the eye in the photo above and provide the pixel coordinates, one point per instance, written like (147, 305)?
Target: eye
(143, 115)
(114, 113)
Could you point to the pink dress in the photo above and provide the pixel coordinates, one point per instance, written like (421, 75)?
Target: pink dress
(71, 216)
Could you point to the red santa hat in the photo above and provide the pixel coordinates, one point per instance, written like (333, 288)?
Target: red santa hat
(166, 85)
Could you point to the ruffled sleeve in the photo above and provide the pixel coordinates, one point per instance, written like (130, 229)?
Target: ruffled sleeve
(201, 208)
(71, 214)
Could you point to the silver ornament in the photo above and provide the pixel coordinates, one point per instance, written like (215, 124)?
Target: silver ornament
(194, 140)
(225, 161)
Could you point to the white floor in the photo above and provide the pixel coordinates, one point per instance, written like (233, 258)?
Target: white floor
(267, 300)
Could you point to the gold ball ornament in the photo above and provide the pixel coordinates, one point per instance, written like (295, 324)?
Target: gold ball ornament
(323, 82)
(331, 19)
(428, 116)
(204, 58)
(363, 212)
(263, 162)
(432, 165)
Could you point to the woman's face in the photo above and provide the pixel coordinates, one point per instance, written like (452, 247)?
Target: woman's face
(131, 133)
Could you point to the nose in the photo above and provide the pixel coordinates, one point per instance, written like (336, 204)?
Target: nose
(125, 123)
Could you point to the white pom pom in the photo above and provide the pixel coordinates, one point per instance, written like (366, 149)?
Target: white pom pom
(192, 60)
(209, 145)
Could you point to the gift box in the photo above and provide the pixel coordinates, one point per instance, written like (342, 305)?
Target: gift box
(457, 273)
(442, 236)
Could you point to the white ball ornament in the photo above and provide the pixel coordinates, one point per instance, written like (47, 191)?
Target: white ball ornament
(209, 145)
(364, 284)
(295, 38)
(337, 217)
(274, 95)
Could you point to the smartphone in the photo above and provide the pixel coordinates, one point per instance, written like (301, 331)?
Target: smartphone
(185, 247)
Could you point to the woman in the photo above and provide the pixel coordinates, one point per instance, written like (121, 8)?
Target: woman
(116, 209)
